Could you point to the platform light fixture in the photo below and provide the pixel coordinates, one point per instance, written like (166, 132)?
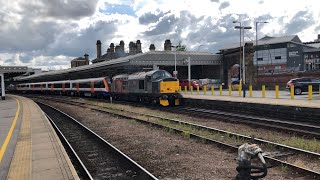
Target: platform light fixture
(175, 61)
(243, 58)
(240, 77)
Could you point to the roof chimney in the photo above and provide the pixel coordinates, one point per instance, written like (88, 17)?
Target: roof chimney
(131, 48)
(98, 49)
(86, 57)
(121, 46)
(111, 47)
(117, 49)
(138, 44)
(167, 45)
(152, 47)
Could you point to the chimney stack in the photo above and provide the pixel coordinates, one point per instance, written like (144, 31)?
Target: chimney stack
(152, 47)
(122, 46)
(167, 45)
(138, 45)
(111, 47)
(131, 48)
(117, 49)
(86, 57)
(98, 49)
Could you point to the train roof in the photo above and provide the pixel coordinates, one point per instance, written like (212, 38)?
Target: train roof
(136, 75)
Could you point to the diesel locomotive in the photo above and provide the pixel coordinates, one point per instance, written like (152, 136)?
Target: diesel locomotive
(156, 87)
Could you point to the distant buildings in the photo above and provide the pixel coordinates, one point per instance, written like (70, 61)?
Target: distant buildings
(312, 56)
(275, 54)
(271, 56)
(114, 52)
(80, 61)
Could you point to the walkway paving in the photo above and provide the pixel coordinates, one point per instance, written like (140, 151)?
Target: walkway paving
(300, 100)
(38, 152)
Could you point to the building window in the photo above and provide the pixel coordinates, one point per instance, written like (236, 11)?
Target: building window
(260, 59)
(277, 57)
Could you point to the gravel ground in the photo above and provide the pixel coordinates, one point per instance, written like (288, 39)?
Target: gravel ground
(166, 155)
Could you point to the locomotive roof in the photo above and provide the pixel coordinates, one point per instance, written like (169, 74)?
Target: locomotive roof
(139, 75)
(136, 75)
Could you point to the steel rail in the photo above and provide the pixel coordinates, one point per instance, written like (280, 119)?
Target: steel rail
(268, 158)
(69, 146)
(143, 172)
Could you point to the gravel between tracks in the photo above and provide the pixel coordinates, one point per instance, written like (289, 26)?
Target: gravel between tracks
(164, 154)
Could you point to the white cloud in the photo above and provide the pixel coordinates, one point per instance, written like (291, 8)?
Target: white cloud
(38, 33)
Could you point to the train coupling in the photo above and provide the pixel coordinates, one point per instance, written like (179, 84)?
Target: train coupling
(164, 100)
(247, 171)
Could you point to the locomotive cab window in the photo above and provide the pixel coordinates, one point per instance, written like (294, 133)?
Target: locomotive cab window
(160, 75)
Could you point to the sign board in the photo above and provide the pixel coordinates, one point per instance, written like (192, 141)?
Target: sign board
(294, 54)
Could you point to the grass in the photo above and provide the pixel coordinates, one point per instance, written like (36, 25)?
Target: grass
(310, 144)
(294, 141)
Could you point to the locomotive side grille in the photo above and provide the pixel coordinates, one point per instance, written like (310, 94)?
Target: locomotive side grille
(155, 87)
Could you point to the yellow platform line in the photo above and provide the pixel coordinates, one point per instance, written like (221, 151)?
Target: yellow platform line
(7, 140)
(20, 167)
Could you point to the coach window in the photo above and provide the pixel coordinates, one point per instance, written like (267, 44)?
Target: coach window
(58, 85)
(67, 85)
(84, 85)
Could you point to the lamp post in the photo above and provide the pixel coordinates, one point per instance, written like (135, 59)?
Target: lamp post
(175, 61)
(243, 59)
(240, 77)
(257, 43)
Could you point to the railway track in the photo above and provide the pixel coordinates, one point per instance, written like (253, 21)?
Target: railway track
(307, 130)
(98, 158)
(276, 153)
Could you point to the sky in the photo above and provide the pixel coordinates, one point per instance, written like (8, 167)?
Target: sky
(48, 34)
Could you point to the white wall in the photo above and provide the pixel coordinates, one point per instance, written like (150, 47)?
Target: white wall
(269, 56)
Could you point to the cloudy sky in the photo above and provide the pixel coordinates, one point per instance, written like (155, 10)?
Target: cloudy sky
(48, 34)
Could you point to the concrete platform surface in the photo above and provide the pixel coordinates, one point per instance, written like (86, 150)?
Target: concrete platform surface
(299, 101)
(36, 148)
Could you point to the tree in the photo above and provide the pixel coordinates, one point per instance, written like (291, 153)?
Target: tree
(181, 47)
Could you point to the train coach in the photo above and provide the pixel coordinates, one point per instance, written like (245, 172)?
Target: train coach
(156, 87)
(94, 87)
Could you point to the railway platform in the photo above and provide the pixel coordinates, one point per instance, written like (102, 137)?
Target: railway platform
(30, 148)
(299, 101)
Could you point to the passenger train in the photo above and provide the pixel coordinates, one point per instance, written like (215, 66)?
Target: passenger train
(156, 87)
